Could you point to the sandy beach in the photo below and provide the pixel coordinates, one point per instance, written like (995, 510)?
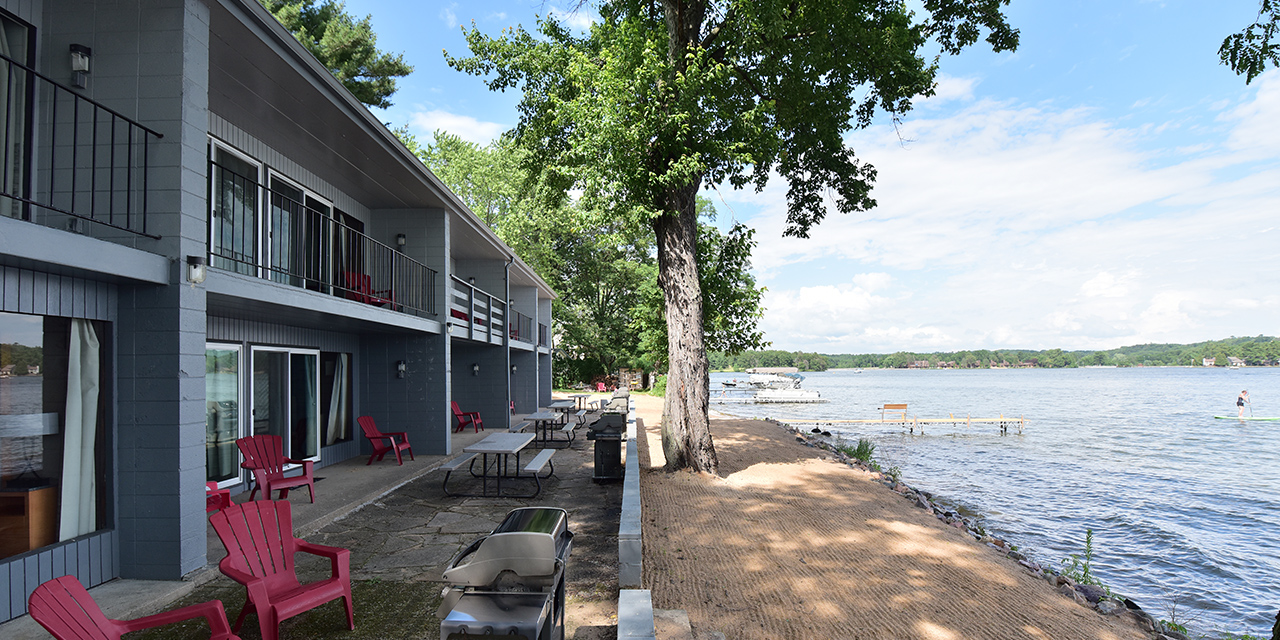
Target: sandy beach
(789, 543)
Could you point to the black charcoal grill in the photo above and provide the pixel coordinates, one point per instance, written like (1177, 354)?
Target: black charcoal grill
(510, 583)
(607, 433)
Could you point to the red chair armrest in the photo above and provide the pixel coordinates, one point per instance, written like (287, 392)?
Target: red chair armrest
(306, 464)
(211, 611)
(384, 436)
(339, 558)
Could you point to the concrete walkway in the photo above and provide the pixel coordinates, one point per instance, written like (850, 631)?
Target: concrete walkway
(401, 527)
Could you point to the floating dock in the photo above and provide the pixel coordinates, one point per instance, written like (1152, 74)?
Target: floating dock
(914, 424)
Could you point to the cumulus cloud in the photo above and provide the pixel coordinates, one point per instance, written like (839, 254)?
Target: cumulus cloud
(449, 15)
(1012, 225)
(465, 127)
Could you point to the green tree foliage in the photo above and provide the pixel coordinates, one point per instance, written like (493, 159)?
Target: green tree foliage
(1257, 351)
(748, 359)
(1249, 52)
(21, 356)
(345, 46)
(659, 99)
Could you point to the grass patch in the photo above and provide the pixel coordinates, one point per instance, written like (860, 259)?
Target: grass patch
(383, 611)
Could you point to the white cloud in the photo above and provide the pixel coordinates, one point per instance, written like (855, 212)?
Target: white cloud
(465, 127)
(581, 18)
(449, 15)
(1006, 225)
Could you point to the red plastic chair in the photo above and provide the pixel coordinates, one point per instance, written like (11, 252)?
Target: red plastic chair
(65, 609)
(264, 456)
(215, 498)
(600, 387)
(260, 555)
(377, 439)
(466, 418)
(360, 289)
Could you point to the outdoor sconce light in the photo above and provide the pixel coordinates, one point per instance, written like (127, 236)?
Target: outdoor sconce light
(195, 269)
(400, 241)
(475, 369)
(471, 281)
(513, 368)
(402, 368)
(80, 55)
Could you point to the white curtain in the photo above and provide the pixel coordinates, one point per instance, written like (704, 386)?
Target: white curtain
(337, 427)
(79, 495)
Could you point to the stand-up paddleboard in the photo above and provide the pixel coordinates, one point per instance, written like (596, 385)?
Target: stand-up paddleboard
(1258, 418)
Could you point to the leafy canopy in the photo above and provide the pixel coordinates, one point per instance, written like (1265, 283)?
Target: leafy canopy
(345, 46)
(637, 108)
(1248, 52)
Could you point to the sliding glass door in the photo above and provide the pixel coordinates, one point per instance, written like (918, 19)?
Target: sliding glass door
(222, 413)
(286, 398)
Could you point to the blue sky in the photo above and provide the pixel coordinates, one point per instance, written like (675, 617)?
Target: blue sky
(1107, 184)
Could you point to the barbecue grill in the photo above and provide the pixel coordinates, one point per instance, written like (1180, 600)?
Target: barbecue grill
(607, 433)
(510, 583)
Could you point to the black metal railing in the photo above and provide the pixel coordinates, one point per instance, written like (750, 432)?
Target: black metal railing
(264, 233)
(482, 314)
(521, 327)
(544, 335)
(69, 156)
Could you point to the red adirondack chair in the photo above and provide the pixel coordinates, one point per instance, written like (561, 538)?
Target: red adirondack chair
(384, 443)
(65, 609)
(260, 555)
(466, 418)
(215, 498)
(360, 289)
(264, 456)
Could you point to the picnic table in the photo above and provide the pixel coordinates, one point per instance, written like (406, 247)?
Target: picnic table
(581, 399)
(544, 426)
(502, 446)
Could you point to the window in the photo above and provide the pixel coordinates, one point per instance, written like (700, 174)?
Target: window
(54, 464)
(233, 218)
(17, 48)
(335, 397)
(286, 400)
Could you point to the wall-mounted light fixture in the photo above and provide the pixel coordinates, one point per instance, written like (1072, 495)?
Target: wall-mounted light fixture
(513, 368)
(196, 269)
(402, 368)
(401, 240)
(80, 55)
(471, 281)
(475, 369)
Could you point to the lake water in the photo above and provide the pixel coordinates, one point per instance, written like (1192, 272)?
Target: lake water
(1185, 509)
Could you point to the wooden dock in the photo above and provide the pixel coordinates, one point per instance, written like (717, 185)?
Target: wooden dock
(913, 423)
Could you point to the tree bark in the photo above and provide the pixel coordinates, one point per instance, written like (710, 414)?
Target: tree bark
(686, 434)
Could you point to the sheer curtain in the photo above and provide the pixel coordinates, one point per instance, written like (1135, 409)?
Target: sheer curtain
(79, 495)
(337, 427)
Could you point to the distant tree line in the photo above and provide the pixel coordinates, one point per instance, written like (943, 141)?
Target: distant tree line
(721, 361)
(21, 356)
(1260, 351)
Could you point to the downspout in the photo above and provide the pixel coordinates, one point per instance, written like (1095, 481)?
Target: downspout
(506, 331)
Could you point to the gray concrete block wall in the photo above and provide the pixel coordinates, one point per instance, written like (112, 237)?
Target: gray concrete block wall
(487, 391)
(414, 404)
(426, 240)
(544, 378)
(524, 382)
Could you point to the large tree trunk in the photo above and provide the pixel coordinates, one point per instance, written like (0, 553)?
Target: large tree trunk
(686, 436)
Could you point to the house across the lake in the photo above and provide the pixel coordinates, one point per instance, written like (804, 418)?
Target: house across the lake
(211, 238)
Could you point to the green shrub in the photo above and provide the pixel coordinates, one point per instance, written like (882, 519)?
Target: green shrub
(861, 452)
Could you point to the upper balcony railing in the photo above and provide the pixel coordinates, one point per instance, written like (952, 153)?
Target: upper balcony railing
(544, 335)
(482, 315)
(66, 158)
(286, 241)
(521, 327)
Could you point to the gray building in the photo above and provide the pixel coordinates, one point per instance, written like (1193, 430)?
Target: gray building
(203, 236)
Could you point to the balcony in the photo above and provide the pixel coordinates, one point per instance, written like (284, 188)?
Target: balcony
(521, 327)
(476, 313)
(268, 234)
(544, 335)
(66, 159)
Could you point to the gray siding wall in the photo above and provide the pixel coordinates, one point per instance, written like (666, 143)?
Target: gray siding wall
(524, 383)
(544, 378)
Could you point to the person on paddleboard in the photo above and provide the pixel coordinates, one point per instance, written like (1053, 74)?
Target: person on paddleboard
(1240, 400)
